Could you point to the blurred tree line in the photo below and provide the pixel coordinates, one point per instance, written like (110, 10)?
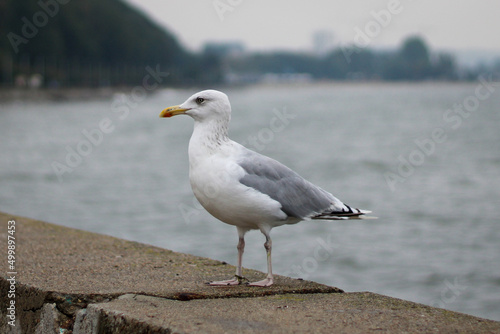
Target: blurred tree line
(95, 43)
(88, 43)
(413, 61)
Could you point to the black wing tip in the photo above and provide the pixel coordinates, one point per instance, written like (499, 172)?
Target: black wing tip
(349, 212)
(344, 214)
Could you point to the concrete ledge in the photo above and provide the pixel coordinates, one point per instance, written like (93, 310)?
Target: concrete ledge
(74, 281)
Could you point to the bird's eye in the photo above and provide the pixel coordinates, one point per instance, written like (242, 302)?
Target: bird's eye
(200, 100)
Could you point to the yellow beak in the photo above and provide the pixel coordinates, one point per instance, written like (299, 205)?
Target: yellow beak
(172, 111)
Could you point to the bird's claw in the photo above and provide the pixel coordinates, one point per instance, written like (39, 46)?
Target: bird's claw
(264, 283)
(237, 280)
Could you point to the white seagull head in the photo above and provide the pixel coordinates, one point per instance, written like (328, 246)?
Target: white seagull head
(203, 106)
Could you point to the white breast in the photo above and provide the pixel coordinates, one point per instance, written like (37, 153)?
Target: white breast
(214, 178)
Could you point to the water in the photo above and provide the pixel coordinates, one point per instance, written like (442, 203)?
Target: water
(437, 237)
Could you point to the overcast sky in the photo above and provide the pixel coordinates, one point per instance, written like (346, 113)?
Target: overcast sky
(281, 24)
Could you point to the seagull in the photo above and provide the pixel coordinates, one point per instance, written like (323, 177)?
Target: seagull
(246, 189)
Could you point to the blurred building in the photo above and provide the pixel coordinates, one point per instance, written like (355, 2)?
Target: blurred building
(224, 49)
(323, 42)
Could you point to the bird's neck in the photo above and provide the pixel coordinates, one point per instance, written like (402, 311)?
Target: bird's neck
(207, 137)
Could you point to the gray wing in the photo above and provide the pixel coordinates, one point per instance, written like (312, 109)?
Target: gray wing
(298, 197)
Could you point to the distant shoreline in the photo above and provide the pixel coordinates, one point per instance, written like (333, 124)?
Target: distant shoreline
(59, 94)
(9, 94)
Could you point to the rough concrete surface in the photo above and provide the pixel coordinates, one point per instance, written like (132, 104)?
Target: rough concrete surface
(289, 313)
(74, 281)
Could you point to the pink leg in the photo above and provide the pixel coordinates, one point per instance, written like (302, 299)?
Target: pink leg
(238, 278)
(268, 281)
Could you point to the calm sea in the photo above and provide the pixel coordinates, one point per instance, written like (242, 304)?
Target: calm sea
(425, 158)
